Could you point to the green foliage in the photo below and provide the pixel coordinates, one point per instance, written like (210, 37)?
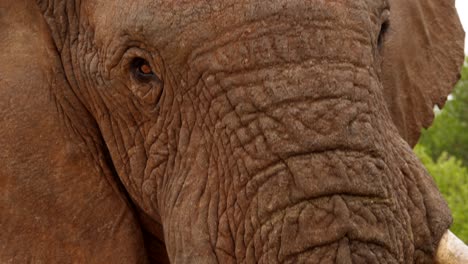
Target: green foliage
(452, 179)
(449, 132)
(443, 149)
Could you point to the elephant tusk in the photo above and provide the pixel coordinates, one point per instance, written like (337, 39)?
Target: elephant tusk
(451, 250)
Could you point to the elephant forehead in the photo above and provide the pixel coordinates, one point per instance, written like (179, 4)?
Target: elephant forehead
(183, 25)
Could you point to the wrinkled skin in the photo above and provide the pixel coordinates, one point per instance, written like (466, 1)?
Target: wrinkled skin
(269, 132)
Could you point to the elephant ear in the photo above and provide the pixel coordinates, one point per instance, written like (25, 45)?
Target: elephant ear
(58, 200)
(422, 55)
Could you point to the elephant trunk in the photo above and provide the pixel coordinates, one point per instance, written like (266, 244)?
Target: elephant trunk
(316, 184)
(298, 157)
(303, 163)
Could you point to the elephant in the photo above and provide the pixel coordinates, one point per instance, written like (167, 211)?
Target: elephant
(223, 131)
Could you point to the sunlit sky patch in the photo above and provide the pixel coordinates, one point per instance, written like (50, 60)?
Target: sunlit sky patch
(462, 7)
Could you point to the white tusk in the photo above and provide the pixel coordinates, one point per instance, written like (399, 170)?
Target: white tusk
(451, 250)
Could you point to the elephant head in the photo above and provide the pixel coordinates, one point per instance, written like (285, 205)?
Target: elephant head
(222, 131)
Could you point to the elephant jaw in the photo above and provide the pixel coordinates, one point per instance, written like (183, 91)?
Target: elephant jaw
(451, 250)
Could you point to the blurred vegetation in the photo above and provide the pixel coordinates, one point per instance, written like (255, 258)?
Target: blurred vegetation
(452, 178)
(443, 148)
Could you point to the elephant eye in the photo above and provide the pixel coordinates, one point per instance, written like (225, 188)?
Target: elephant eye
(142, 70)
(383, 30)
(384, 27)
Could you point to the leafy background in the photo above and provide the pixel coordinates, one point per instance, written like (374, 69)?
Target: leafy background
(443, 148)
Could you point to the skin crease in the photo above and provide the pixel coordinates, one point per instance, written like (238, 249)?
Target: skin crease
(270, 133)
